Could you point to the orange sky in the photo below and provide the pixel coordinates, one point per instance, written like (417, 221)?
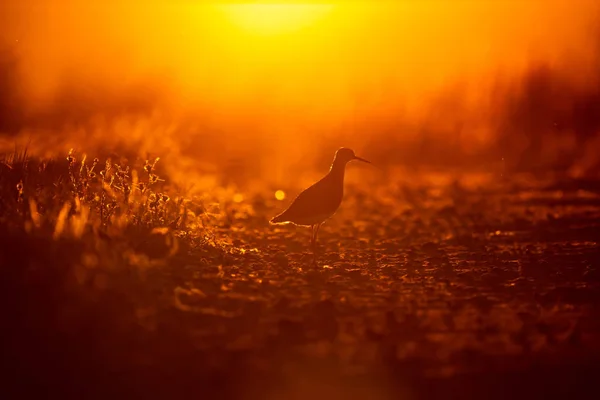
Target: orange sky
(355, 59)
(355, 47)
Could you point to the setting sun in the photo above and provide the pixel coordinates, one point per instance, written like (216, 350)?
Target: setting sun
(269, 19)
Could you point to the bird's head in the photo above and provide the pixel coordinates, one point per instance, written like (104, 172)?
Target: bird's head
(345, 155)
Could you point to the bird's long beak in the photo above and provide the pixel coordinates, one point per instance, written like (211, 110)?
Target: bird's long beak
(362, 159)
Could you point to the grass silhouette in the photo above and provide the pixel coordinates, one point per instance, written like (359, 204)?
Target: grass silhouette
(115, 283)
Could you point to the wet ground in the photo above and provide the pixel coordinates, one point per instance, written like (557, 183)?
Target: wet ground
(420, 291)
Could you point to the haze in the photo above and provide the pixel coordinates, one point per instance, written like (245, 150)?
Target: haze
(339, 72)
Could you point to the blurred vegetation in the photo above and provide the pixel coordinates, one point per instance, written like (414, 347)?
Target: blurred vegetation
(544, 119)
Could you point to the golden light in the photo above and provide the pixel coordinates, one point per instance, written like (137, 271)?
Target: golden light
(280, 195)
(269, 19)
(284, 78)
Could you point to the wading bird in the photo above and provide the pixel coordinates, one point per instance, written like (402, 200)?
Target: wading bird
(320, 201)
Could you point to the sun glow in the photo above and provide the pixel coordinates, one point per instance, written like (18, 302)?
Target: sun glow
(224, 79)
(271, 19)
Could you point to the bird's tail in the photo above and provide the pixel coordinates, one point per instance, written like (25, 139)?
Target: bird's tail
(279, 219)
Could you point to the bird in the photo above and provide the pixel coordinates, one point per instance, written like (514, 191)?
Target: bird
(319, 202)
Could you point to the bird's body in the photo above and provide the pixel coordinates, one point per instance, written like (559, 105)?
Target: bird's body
(319, 202)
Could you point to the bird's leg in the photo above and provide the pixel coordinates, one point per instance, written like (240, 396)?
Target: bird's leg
(314, 241)
(315, 234)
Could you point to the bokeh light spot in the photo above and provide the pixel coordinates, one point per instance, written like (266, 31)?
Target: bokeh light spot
(238, 198)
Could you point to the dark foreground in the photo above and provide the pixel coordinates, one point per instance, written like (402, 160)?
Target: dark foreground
(428, 292)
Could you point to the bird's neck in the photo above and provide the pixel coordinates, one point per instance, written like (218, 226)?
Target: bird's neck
(336, 178)
(337, 169)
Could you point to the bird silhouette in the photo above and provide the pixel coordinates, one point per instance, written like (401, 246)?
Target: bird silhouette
(319, 202)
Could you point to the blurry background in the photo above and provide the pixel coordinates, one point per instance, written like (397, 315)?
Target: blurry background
(264, 90)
